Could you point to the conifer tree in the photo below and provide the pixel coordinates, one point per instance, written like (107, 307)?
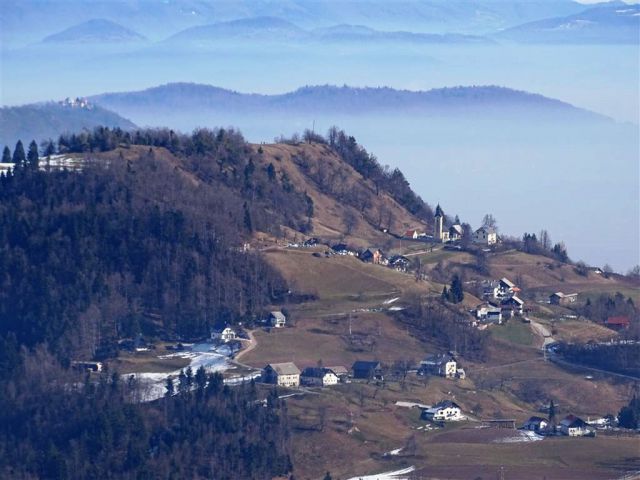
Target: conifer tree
(33, 155)
(19, 158)
(6, 155)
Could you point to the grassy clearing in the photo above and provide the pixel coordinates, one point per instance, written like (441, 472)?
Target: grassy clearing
(147, 362)
(515, 331)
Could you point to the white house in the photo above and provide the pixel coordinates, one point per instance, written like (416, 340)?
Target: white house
(445, 411)
(573, 426)
(485, 236)
(535, 424)
(455, 232)
(277, 319)
(443, 365)
(489, 313)
(282, 374)
(318, 377)
(225, 335)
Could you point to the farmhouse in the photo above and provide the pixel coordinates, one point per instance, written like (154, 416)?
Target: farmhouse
(413, 234)
(573, 426)
(485, 236)
(399, 263)
(341, 372)
(344, 249)
(455, 232)
(277, 319)
(445, 411)
(489, 313)
(318, 377)
(514, 305)
(282, 374)
(560, 298)
(535, 424)
(506, 287)
(225, 335)
(367, 370)
(373, 256)
(443, 365)
(617, 323)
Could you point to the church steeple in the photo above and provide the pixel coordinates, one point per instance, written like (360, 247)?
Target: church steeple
(438, 225)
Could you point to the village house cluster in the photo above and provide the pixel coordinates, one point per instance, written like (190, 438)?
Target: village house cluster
(501, 302)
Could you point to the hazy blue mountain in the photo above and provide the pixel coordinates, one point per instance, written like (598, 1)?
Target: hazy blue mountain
(257, 28)
(158, 20)
(276, 30)
(97, 30)
(49, 120)
(612, 23)
(180, 98)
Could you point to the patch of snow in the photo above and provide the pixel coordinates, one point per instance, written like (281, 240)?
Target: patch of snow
(396, 475)
(520, 437)
(393, 452)
(395, 309)
(411, 404)
(391, 300)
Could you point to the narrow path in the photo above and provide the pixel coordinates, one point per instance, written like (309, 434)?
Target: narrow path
(252, 344)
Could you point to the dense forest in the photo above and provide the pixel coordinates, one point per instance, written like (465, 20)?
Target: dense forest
(136, 244)
(54, 425)
(139, 239)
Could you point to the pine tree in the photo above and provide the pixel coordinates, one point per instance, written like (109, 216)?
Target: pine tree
(456, 293)
(170, 388)
(33, 155)
(6, 155)
(19, 158)
(247, 219)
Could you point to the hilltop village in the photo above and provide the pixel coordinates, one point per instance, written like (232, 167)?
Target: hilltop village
(311, 289)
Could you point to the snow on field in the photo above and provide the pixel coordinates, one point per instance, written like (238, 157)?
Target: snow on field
(392, 452)
(397, 475)
(395, 309)
(212, 358)
(400, 403)
(521, 436)
(391, 300)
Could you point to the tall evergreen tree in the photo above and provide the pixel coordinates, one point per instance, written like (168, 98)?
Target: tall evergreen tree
(19, 158)
(33, 156)
(456, 294)
(6, 155)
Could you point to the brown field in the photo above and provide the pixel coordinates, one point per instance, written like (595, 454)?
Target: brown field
(346, 429)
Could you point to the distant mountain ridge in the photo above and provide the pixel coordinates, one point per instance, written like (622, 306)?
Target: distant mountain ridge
(333, 99)
(97, 30)
(48, 120)
(617, 22)
(279, 30)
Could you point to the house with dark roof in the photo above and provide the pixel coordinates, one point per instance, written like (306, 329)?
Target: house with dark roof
(363, 369)
(512, 306)
(559, 298)
(442, 364)
(318, 377)
(400, 263)
(573, 426)
(536, 424)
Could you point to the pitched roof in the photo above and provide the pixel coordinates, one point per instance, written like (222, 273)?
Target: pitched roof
(439, 359)
(513, 299)
(365, 365)
(439, 212)
(488, 230)
(571, 421)
(456, 228)
(287, 368)
(621, 321)
(445, 404)
(339, 370)
(278, 315)
(507, 282)
(536, 419)
(316, 372)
